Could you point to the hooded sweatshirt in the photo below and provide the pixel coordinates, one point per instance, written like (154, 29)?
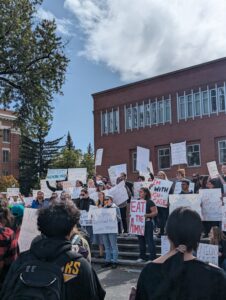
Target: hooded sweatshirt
(81, 281)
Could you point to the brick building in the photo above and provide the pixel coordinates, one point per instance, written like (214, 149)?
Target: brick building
(9, 144)
(187, 104)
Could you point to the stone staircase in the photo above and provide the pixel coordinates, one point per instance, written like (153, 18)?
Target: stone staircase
(129, 251)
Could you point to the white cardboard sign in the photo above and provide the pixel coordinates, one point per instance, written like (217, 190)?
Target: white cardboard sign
(189, 200)
(13, 192)
(119, 193)
(212, 168)
(137, 219)
(160, 192)
(178, 153)
(208, 253)
(56, 174)
(211, 204)
(104, 221)
(143, 159)
(99, 156)
(77, 174)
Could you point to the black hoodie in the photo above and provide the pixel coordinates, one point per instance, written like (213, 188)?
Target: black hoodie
(81, 281)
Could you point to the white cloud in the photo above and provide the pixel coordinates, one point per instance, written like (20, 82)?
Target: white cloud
(63, 25)
(142, 38)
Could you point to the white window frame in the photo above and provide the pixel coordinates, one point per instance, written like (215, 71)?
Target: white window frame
(195, 144)
(160, 149)
(3, 135)
(8, 151)
(219, 158)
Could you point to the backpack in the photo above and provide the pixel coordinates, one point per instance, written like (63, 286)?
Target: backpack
(39, 279)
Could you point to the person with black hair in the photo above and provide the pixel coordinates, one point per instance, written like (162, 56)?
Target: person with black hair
(178, 275)
(56, 224)
(151, 212)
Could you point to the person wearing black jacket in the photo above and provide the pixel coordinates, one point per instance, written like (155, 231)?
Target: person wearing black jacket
(59, 186)
(56, 224)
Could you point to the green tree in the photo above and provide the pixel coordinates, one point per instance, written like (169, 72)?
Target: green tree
(69, 143)
(32, 60)
(88, 161)
(7, 182)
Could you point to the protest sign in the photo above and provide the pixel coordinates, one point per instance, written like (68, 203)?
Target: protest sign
(68, 186)
(13, 192)
(119, 193)
(178, 153)
(138, 185)
(104, 220)
(99, 156)
(56, 174)
(137, 219)
(212, 168)
(211, 204)
(118, 169)
(28, 201)
(44, 188)
(85, 219)
(190, 200)
(143, 157)
(76, 192)
(178, 188)
(208, 253)
(77, 174)
(112, 175)
(28, 229)
(165, 245)
(160, 192)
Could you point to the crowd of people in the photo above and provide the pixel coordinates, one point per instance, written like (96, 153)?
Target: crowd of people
(69, 245)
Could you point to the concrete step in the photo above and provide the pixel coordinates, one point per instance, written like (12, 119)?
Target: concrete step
(122, 262)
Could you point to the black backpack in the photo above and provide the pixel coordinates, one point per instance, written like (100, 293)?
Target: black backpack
(39, 280)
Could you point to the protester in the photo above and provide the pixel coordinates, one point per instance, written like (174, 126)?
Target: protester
(98, 238)
(162, 175)
(77, 189)
(80, 244)
(179, 275)
(63, 272)
(16, 200)
(196, 181)
(110, 239)
(8, 242)
(17, 212)
(59, 186)
(40, 201)
(218, 238)
(140, 178)
(185, 187)
(151, 212)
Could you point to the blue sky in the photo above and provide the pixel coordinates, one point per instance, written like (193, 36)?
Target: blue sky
(113, 42)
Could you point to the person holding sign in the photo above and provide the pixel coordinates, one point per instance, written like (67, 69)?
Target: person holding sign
(218, 238)
(178, 274)
(151, 212)
(40, 201)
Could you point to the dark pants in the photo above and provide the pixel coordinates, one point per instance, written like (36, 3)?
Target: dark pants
(147, 239)
(162, 216)
(124, 219)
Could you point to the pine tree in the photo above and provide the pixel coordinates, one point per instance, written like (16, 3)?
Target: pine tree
(69, 143)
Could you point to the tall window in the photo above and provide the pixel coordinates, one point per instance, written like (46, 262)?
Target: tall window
(193, 155)
(135, 118)
(164, 158)
(222, 151)
(153, 113)
(160, 111)
(189, 106)
(213, 101)
(182, 108)
(221, 99)
(110, 122)
(197, 104)
(129, 118)
(167, 110)
(134, 161)
(5, 156)
(147, 114)
(115, 121)
(105, 123)
(6, 135)
(205, 103)
(141, 115)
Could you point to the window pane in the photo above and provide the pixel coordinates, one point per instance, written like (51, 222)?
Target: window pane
(205, 103)
(167, 110)
(153, 113)
(164, 158)
(104, 123)
(135, 117)
(193, 155)
(141, 115)
(189, 106)
(5, 156)
(160, 111)
(197, 104)
(129, 118)
(6, 135)
(110, 122)
(181, 108)
(134, 161)
(222, 151)
(147, 115)
(115, 121)
(221, 99)
(213, 101)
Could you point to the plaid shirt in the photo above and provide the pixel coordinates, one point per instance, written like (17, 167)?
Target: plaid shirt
(8, 249)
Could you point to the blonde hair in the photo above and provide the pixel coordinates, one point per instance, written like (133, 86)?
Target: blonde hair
(181, 172)
(217, 236)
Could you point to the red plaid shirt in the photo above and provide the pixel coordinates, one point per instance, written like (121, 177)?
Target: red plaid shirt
(8, 249)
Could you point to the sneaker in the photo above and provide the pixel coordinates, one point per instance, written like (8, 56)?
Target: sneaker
(106, 265)
(114, 265)
(140, 260)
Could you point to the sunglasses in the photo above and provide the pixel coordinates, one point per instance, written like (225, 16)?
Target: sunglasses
(82, 194)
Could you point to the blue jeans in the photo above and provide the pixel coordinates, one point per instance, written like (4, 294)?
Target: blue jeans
(111, 247)
(147, 239)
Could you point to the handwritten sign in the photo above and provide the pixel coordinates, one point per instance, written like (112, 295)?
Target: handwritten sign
(208, 253)
(112, 175)
(137, 219)
(11, 192)
(211, 204)
(29, 229)
(165, 245)
(212, 168)
(104, 221)
(178, 153)
(44, 188)
(118, 169)
(189, 200)
(118, 193)
(99, 156)
(68, 186)
(85, 218)
(160, 192)
(28, 201)
(56, 174)
(77, 174)
(143, 156)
